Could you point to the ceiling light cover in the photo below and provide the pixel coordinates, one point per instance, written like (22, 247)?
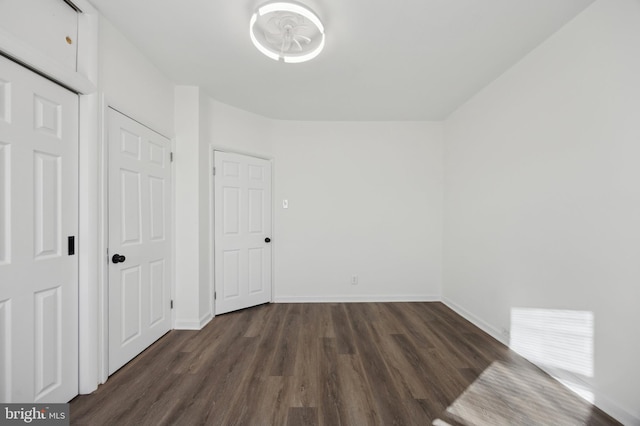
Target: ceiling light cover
(287, 31)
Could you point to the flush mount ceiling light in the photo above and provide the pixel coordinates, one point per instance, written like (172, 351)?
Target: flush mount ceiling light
(287, 31)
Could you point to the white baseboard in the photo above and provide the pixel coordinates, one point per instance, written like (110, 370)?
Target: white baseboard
(614, 410)
(357, 299)
(606, 404)
(477, 321)
(205, 319)
(603, 402)
(187, 324)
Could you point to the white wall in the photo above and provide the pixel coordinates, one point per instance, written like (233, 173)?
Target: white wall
(131, 83)
(542, 194)
(190, 313)
(387, 178)
(364, 199)
(229, 128)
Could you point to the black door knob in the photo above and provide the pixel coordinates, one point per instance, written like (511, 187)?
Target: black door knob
(267, 240)
(118, 258)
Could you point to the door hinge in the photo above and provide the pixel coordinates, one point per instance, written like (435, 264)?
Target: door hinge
(171, 157)
(214, 171)
(214, 295)
(172, 304)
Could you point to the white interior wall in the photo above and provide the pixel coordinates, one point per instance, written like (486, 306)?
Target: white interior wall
(365, 199)
(228, 128)
(542, 195)
(131, 83)
(388, 177)
(187, 295)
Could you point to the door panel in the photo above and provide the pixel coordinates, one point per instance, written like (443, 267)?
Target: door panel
(256, 211)
(5, 351)
(156, 195)
(47, 205)
(139, 219)
(5, 205)
(256, 258)
(38, 211)
(131, 309)
(242, 222)
(48, 339)
(157, 300)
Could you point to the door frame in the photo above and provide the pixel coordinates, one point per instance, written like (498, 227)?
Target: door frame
(212, 278)
(103, 239)
(84, 82)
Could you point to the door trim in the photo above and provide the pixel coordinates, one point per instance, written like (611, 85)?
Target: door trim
(108, 110)
(212, 283)
(103, 240)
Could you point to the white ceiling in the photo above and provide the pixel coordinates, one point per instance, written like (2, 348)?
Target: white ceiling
(384, 59)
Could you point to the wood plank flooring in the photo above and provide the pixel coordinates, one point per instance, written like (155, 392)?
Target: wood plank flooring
(333, 364)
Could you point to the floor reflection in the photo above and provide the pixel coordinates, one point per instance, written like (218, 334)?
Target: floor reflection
(506, 395)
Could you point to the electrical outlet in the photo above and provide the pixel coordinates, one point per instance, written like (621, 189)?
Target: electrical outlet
(354, 280)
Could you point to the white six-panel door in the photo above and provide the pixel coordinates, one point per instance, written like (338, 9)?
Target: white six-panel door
(139, 238)
(242, 223)
(38, 212)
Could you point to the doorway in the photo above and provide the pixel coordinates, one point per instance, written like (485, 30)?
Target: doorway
(140, 238)
(242, 231)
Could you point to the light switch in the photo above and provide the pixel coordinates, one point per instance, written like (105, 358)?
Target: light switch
(285, 204)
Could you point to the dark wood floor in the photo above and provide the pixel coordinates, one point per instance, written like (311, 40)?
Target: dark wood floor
(333, 364)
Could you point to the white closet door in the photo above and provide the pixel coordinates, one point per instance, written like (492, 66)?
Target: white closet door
(139, 238)
(242, 231)
(38, 214)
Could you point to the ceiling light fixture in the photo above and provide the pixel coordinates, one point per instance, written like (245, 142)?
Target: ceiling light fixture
(287, 31)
